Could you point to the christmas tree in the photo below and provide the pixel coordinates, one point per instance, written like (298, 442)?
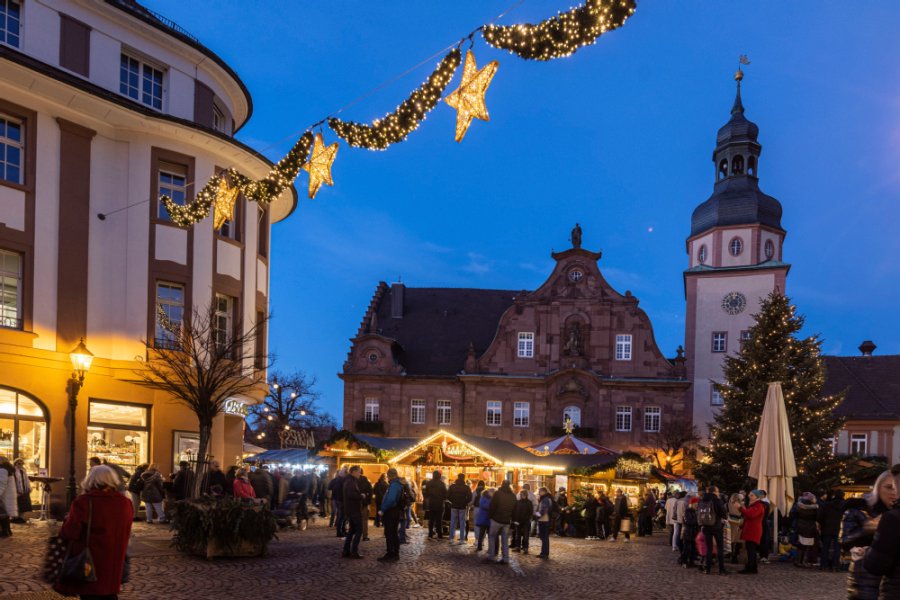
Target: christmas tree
(773, 352)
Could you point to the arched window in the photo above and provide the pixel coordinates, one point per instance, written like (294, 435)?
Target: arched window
(723, 170)
(737, 165)
(23, 432)
(751, 166)
(574, 413)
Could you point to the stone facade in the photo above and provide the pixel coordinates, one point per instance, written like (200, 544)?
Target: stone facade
(574, 346)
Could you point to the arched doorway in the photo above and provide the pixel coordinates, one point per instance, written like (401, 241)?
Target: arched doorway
(23, 432)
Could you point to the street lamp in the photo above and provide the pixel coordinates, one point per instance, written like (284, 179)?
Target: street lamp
(81, 363)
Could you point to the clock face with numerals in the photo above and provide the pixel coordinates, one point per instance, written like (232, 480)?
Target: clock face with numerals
(734, 303)
(575, 275)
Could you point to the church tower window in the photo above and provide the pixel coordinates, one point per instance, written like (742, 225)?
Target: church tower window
(736, 246)
(770, 249)
(702, 254)
(737, 165)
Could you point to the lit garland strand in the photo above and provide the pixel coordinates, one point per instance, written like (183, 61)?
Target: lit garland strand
(262, 192)
(396, 126)
(563, 34)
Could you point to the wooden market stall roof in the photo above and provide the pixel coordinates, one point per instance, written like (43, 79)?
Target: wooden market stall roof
(491, 451)
(345, 444)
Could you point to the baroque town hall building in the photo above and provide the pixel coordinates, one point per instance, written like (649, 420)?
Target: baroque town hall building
(516, 364)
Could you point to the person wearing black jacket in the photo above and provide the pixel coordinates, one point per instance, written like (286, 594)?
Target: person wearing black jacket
(212, 478)
(337, 494)
(353, 500)
(590, 516)
(459, 496)
(183, 482)
(862, 517)
(712, 501)
(883, 556)
(380, 488)
(135, 486)
(503, 503)
(365, 488)
(621, 513)
(604, 512)
(521, 522)
(435, 493)
(829, 518)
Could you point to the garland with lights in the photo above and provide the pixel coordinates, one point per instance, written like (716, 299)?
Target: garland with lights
(555, 37)
(395, 126)
(773, 353)
(563, 34)
(262, 192)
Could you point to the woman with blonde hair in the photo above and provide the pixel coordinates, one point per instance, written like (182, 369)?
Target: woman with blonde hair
(99, 519)
(883, 556)
(861, 519)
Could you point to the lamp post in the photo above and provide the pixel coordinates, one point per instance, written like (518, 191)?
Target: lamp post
(81, 362)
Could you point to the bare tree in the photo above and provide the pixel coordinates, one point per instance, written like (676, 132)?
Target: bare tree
(289, 404)
(674, 444)
(201, 366)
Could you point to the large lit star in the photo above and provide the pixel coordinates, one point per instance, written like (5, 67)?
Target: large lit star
(468, 98)
(319, 165)
(223, 205)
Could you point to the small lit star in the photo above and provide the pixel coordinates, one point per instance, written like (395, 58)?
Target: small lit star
(319, 165)
(223, 205)
(468, 98)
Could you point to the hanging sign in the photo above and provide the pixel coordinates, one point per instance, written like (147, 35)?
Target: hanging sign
(296, 438)
(236, 408)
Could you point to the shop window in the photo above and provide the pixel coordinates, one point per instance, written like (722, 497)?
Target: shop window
(23, 433)
(443, 412)
(573, 413)
(185, 447)
(417, 412)
(118, 433)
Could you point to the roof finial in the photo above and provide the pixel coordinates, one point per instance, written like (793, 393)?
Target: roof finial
(738, 107)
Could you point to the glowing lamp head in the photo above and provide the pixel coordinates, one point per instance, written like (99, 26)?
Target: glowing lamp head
(81, 358)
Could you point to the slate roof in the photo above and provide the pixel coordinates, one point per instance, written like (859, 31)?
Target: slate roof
(439, 323)
(503, 450)
(736, 201)
(386, 443)
(872, 384)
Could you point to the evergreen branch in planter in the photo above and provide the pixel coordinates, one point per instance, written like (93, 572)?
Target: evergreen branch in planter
(230, 525)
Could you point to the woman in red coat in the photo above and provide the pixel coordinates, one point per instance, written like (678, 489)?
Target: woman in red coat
(752, 530)
(242, 487)
(111, 516)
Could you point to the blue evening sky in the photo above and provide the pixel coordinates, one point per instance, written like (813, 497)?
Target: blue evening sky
(618, 137)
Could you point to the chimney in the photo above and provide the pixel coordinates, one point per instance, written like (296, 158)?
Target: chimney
(867, 348)
(397, 300)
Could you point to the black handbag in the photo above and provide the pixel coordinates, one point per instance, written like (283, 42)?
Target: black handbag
(80, 567)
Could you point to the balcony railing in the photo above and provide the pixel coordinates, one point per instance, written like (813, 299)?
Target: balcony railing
(364, 426)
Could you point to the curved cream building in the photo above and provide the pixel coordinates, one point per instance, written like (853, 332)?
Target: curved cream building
(103, 106)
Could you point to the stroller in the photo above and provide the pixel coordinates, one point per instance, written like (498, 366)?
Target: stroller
(293, 513)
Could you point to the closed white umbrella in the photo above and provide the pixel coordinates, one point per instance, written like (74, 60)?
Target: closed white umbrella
(773, 463)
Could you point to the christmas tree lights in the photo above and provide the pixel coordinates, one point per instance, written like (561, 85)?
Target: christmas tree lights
(396, 126)
(563, 34)
(772, 353)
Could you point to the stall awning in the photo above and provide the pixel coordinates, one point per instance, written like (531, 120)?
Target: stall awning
(444, 447)
(292, 456)
(569, 444)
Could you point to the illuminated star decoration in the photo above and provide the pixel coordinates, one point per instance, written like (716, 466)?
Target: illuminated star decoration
(223, 206)
(468, 99)
(319, 165)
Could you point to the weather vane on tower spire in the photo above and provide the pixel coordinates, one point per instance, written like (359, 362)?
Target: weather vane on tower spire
(742, 60)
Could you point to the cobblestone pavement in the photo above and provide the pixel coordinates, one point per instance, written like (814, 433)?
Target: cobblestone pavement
(308, 565)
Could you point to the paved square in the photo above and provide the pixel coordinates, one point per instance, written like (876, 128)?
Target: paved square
(308, 565)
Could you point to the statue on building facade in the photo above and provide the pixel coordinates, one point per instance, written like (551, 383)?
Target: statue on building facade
(573, 341)
(576, 236)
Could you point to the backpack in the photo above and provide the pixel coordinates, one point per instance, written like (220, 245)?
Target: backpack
(706, 514)
(405, 499)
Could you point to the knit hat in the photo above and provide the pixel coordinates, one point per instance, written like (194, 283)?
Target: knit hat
(757, 493)
(694, 500)
(808, 498)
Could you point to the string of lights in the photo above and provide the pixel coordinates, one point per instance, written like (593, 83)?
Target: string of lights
(563, 34)
(396, 126)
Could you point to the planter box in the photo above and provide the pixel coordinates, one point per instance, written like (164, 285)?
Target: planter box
(212, 527)
(244, 549)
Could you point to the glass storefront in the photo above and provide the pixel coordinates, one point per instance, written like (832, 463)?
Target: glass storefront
(23, 433)
(119, 433)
